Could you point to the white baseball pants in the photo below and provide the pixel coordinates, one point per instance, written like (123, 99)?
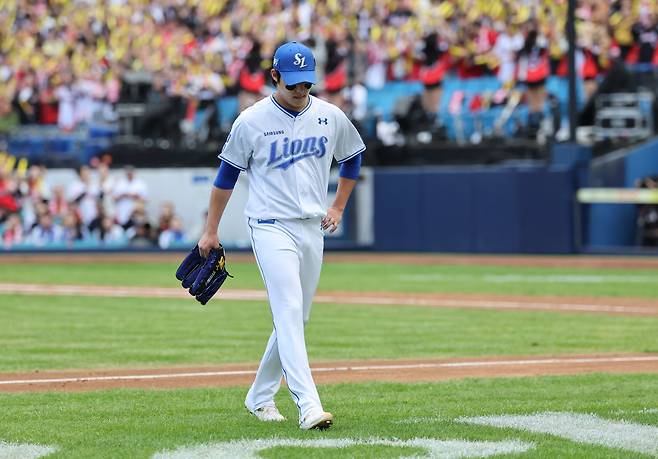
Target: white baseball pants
(289, 256)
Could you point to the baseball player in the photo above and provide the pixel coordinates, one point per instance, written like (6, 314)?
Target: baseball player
(286, 143)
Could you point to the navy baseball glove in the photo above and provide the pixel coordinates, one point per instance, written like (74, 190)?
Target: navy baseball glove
(203, 276)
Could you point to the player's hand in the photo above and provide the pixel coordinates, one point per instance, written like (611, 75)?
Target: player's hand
(332, 219)
(207, 242)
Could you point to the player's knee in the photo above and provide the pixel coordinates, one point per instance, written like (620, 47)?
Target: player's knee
(293, 309)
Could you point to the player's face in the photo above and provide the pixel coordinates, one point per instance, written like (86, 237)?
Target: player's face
(292, 97)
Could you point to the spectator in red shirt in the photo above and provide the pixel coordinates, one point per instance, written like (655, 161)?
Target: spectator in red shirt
(335, 73)
(48, 105)
(436, 63)
(251, 79)
(8, 190)
(533, 68)
(12, 233)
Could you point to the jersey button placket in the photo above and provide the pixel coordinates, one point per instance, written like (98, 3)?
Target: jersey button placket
(299, 178)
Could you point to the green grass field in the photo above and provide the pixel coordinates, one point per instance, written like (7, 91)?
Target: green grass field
(39, 332)
(131, 423)
(517, 280)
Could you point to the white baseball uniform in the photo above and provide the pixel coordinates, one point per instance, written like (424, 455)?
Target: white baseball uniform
(287, 158)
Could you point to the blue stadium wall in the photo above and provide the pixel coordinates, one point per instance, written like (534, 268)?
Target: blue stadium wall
(613, 226)
(475, 209)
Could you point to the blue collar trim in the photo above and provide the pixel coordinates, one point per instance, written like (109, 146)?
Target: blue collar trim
(291, 113)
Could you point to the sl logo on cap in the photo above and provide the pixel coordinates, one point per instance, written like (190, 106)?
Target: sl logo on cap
(300, 60)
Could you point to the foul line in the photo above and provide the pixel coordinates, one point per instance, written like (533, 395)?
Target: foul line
(259, 295)
(411, 366)
(479, 304)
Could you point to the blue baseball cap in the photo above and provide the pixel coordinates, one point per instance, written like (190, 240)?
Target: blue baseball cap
(295, 63)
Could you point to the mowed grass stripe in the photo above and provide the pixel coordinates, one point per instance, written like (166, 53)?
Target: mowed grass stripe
(505, 280)
(368, 298)
(61, 332)
(139, 423)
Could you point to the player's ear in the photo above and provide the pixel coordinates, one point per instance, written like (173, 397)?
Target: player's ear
(275, 75)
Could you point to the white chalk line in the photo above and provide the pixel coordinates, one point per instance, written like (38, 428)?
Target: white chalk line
(337, 369)
(532, 278)
(434, 448)
(261, 295)
(581, 428)
(479, 304)
(123, 291)
(641, 411)
(24, 450)
(421, 420)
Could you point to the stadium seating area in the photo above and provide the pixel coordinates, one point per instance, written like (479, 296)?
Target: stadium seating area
(162, 81)
(38, 143)
(73, 64)
(457, 114)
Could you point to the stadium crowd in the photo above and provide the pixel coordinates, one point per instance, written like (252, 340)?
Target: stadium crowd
(96, 209)
(66, 63)
(63, 62)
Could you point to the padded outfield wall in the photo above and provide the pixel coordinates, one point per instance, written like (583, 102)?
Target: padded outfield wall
(467, 209)
(475, 209)
(188, 189)
(612, 226)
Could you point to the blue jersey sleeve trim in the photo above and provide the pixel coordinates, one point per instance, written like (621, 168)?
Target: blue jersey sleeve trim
(227, 176)
(350, 169)
(224, 160)
(358, 152)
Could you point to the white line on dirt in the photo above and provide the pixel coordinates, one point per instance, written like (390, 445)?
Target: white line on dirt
(531, 278)
(479, 304)
(412, 366)
(261, 295)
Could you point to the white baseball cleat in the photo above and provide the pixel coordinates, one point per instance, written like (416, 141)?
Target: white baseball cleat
(268, 413)
(317, 420)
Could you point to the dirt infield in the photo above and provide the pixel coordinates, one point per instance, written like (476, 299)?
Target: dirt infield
(575, 261)
(425, 370)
